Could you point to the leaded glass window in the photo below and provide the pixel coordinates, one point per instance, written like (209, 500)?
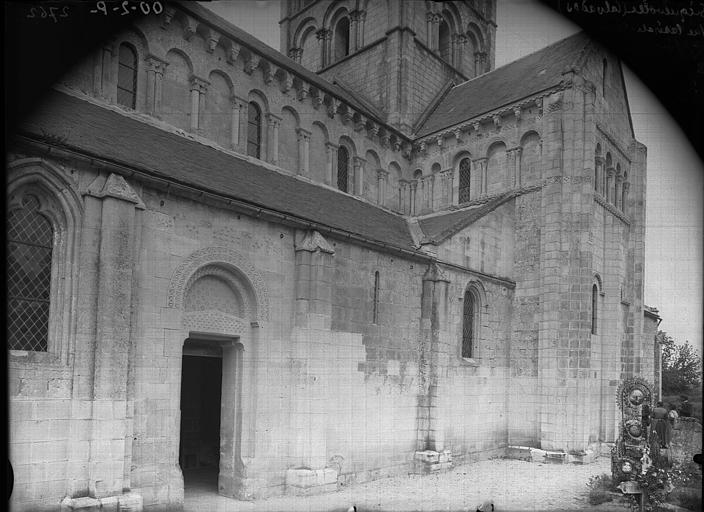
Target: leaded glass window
(468, 325)
(127, 77)
(30, 242)
(465, 178)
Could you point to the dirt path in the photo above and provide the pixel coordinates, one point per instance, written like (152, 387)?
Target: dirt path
(511, 484)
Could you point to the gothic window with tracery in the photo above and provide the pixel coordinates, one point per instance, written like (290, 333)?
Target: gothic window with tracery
(30, 238)
(343, 162)
(254, 130)
(465, 178)
(127, 77)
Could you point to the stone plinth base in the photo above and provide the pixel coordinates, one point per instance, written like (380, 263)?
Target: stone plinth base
(305, 482)
(551, 457)
(130, 502)
(429, 461)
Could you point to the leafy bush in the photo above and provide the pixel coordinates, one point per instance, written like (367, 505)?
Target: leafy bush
(600, 487)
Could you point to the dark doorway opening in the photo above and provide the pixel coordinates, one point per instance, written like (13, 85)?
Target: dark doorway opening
(201, 384)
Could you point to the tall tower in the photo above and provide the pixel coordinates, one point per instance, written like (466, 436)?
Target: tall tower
(396, 56)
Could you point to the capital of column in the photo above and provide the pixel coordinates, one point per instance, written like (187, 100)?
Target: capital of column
(429, 16)
(303, 134)
(436, 18)
(381, 173)
(610, 172)
(331, 147)
(619, 178)
(599, 160)
(237, 102)
(295, 53)
(480, 162)
(199, 84)
(358, 161)
(273, 120)
(323, 33)
(156, 64)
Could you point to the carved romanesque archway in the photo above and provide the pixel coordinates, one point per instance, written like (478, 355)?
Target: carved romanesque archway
(220, 297)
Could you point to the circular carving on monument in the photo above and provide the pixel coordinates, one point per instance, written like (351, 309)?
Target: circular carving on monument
(634, 430)
(636, 397)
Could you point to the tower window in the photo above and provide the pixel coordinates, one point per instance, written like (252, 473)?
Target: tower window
(30, 243)
(342, 38)
(127, 77)
(444, 41)
(465, 175)
(254, 130)
(343, 162)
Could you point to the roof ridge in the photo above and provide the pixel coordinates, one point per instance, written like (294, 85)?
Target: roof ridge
(531, 54)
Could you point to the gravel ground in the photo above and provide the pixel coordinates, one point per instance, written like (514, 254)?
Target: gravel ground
(512, 485)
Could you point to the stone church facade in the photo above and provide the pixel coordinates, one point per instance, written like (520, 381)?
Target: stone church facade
(373, 252)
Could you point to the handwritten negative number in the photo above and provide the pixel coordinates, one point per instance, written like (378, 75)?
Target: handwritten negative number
(144, 7)
(51, 13)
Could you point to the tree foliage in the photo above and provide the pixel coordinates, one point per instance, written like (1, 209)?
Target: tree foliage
(681, 365)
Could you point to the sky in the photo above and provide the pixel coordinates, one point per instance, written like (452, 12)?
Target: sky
(675, 186)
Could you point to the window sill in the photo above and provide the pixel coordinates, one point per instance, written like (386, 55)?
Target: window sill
(469, 361)
(24, 357)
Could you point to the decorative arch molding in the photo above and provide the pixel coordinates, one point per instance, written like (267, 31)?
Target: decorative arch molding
(37, 170)
(222, 258)
(302, 31)
(597, 281)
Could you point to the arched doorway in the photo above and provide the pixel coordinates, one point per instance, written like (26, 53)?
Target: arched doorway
(221, 302)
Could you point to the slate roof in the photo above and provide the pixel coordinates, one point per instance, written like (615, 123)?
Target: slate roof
(103, 133)
(514, 81)
(282, 60)
(439, 228)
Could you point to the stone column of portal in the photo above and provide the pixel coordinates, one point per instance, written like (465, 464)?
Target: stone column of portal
(430, 442)
(599, 174)
(360, 28)
(381, 178)
(155, 75)
(358, 175)
(106, 472)
(237, 104)
(320, 35)
(303, 151)
(619, 184)
(331, 169)
(198, 88)
(273, 139)
(517, 172)
(106, 87)
(354, 31)
(429, 30)
(624, 200)
(403, 196)
(609, 192)
(412, 200)
(480, 165)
